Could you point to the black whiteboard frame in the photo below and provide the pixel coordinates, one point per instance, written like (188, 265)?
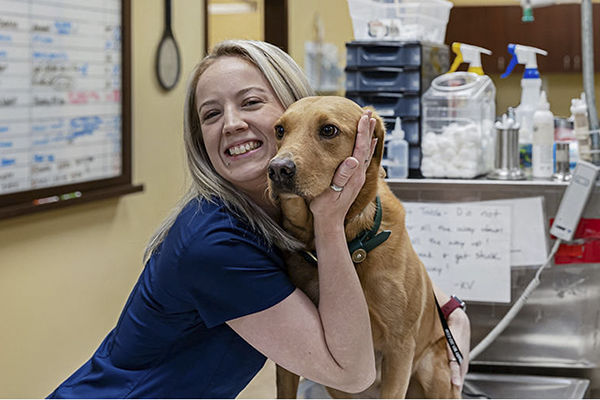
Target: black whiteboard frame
(20, 203)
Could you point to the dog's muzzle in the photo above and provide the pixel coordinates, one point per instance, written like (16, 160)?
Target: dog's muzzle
(282, 172)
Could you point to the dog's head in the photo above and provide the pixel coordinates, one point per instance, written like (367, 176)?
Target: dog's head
(314, 136)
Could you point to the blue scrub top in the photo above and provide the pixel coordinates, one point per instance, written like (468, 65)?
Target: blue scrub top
(171, 340)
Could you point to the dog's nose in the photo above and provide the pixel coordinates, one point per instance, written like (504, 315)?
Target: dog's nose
(282, 171)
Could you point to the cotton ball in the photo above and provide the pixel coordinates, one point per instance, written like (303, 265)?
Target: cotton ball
(448, 152)
(429, 146)
(458, 134)
(465, 153)
(452, 172)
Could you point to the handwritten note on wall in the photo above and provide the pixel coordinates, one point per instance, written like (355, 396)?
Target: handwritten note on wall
(60, 92)
(465, 247)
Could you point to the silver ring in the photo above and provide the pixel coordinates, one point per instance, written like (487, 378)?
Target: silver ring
(336, 188)
(454, 360)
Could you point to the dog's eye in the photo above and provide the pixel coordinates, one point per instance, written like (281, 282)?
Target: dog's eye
(329, 131)
(279, 132)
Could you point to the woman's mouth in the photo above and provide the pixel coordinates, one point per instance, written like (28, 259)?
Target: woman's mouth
(243, 148)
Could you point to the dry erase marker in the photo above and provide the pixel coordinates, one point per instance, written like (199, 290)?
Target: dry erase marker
(46, 200)
(69, 196)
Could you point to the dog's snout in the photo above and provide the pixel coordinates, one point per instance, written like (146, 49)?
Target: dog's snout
(282, 171)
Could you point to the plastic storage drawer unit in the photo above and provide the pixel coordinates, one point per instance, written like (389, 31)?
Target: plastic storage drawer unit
(383, 79)
(414, 157)
(386, 54)
(389, 104)
(431, 60)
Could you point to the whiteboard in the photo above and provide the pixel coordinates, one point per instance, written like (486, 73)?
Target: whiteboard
(60, 93)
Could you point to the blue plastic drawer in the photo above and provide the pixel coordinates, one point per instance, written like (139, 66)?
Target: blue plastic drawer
(409, 125)
(383, 79)
(393, 54)
(389, 104)
(414, 157)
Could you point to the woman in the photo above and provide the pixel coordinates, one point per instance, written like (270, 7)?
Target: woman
(213, 299)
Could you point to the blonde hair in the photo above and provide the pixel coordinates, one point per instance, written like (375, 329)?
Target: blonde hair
(289, 84)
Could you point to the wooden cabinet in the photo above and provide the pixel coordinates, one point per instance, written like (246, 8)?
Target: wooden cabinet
(556, 29)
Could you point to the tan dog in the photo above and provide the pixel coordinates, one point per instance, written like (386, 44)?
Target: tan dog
(315, 135)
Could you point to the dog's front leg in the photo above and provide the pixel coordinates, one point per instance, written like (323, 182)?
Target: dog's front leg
(396, 370)
(287, 383)
(433, 376)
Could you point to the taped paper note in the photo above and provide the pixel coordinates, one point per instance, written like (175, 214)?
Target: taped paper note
(529, 240)
(464, 246)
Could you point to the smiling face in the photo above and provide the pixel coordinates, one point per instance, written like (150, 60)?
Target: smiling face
(237, 109)
(314, 136)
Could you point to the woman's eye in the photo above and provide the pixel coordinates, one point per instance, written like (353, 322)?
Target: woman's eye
(251, 102)
(279, 132)
(209, 115)
(329, 131)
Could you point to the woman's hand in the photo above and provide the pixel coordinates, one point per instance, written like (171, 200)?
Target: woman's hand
(349, 176)
(459, 325)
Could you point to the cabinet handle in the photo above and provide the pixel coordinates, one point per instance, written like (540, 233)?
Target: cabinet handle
(566, 62)
(577, 63)
(500, 62)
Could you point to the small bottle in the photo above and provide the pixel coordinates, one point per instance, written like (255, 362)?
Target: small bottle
(581, 127)
(543, 139)
(396, 161)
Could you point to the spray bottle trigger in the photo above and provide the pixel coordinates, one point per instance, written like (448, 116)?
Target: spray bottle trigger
(513, 62)
(477, 70)
(458, 59)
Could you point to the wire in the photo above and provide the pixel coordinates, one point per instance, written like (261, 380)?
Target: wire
(514, 310)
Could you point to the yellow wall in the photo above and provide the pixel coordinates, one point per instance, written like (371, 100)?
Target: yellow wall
(236, 26)
(65, 275)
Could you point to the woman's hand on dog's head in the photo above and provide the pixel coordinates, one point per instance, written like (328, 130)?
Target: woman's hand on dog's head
(350, 174)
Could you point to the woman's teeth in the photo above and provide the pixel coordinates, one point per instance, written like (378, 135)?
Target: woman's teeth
(243, 148)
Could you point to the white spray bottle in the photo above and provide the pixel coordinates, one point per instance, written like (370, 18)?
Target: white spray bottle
(396, 160)
(531, 85)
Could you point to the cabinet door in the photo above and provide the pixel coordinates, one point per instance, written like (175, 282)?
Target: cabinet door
(556, 29)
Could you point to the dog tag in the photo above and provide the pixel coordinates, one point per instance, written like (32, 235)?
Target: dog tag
(359, 255)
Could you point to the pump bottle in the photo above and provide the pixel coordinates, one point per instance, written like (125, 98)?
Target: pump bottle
(580, 122)
(543, 140)
(396, 161)
(531, 85)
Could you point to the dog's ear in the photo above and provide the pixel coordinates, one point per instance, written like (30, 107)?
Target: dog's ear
(379, 133)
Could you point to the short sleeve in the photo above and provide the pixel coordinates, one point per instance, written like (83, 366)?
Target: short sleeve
(229, 273)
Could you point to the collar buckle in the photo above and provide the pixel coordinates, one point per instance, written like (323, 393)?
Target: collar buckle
(366, 241)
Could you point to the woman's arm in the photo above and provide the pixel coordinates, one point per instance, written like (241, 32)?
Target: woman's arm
(459, 325)
(332, 343)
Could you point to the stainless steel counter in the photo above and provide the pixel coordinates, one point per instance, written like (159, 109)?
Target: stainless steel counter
(558, 330)
(505, 386)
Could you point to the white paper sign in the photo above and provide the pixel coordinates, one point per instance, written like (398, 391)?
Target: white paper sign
(465, 247)
(529, 240)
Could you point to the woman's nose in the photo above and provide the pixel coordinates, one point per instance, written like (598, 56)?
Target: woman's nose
(233, 121)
